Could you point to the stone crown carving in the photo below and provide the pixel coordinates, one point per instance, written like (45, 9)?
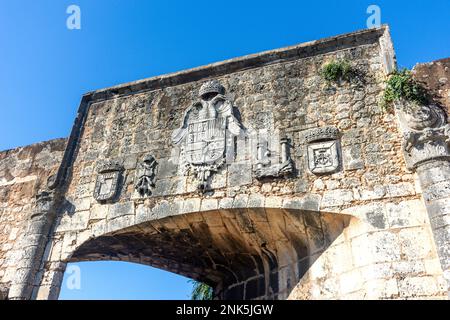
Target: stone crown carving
(319, 134)
(212, 86)
(109, 166)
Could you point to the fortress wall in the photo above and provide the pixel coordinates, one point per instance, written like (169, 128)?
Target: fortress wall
(385, 248)
(287, 97)
(23, 173)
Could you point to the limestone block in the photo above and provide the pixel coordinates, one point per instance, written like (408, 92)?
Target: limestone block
(191, 205)
(401, 189)
(377, 247)
(319, 184)
(385, 246)
(381, 288)
(240, 201)
(350, 281)
(121, 209)
(274, 202)
(406, 214)
(209, 204)
(99, 211)
(415, 243)
(372, 217)
(143, 213)
(98, 228)
(352, 157)
(13, 234)
(68, 245)
(378, 192)
(256, 200)
(169, 186)
(77, 221)
(82, 204)
(338, 197)
(418, 286)
(167, 168)
(120, 223)
(219, 181)
(239, 174)
(433, 266)
(56, 249)
(83, 237)
(341, 258)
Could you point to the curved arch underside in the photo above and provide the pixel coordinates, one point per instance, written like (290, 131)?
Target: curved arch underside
(255, 253)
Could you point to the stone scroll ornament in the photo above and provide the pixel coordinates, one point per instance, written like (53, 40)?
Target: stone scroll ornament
(426, 133)
(208, 128)
(264, 166)
(146, 176)
(323, 153)
(107, 184)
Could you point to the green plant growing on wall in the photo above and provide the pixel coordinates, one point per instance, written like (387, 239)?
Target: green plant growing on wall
(337, 70)
(401, 85)
(201, 291)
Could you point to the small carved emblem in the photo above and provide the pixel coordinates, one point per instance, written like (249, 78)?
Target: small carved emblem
(264, 167)
(146, 176)
(107, 183)
(323, 150)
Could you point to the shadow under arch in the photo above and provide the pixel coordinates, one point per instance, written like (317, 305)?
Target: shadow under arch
(257, 253)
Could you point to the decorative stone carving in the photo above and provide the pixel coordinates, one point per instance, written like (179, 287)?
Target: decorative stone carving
(321, 134)
(422, 117)
(146, 176)
(207, 131)
(107, 183)
(264, 167)
(323, 153)
(426, 133)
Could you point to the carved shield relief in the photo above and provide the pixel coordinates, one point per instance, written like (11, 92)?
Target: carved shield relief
(107, 183)
(323, 150)
(206, 141)
(323, 157)
(205, 132)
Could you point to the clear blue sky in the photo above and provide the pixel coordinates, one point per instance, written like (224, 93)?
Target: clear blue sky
(45, 68)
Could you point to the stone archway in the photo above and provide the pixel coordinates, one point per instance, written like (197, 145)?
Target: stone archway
(258, 253)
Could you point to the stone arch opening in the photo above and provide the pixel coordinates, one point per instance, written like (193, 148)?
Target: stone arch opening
(121, 280)
(258, 253)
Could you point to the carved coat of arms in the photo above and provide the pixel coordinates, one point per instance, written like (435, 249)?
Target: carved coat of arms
(107, 183)
(207, 129)
(146, 176)
(323, 150)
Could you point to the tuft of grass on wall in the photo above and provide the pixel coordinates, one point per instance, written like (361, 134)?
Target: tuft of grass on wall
(337, 70)
(401, 85)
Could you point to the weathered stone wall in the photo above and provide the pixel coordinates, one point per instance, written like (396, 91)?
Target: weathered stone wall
(435, 76)
(357, 230)
(386, 251)
(23, 172)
